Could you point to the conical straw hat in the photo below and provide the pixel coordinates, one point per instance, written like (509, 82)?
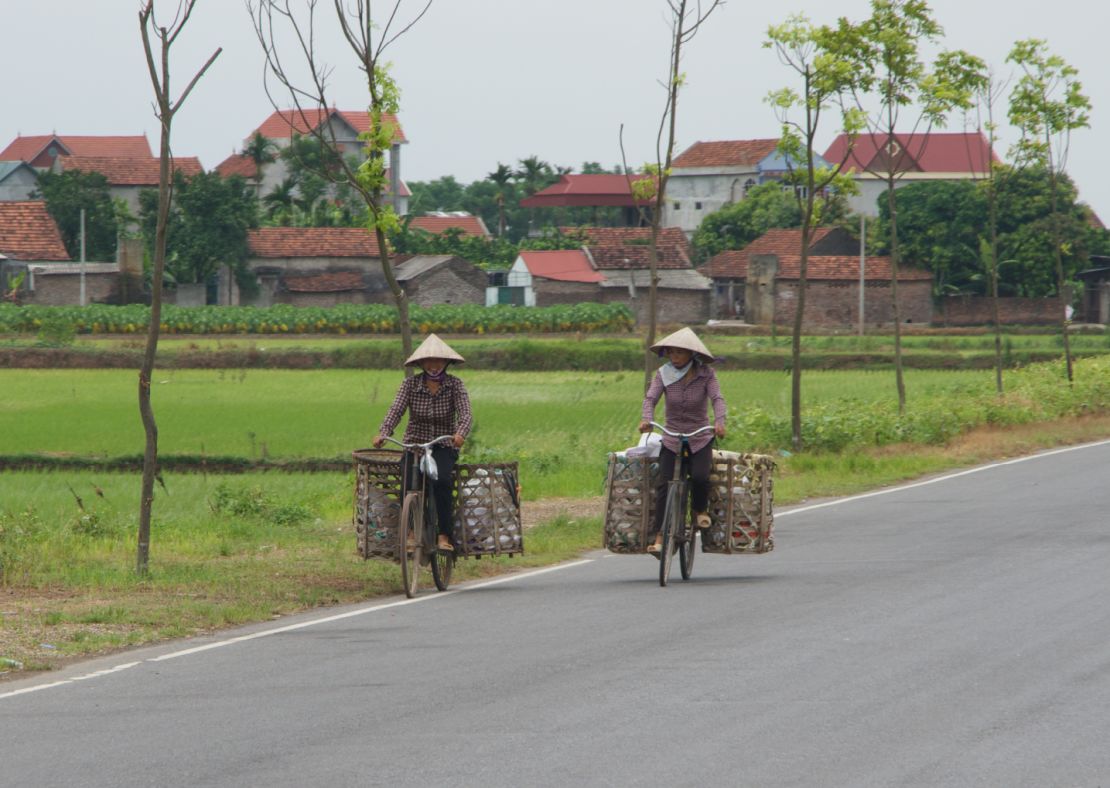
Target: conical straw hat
(433, 347)
(686, 339)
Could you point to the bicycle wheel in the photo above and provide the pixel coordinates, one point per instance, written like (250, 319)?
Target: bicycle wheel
(411, 533)
(686, 546)
(671, 523)
(443, 561)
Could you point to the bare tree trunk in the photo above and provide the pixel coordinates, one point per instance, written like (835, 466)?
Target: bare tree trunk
(166, 109)
(995, 315)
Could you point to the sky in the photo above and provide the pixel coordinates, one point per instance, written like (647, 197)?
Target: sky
(490, 81)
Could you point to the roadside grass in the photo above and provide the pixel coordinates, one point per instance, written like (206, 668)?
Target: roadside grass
(231, 550)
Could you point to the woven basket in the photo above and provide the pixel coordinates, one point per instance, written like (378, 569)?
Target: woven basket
(629, 503)
(487, 510)
(741, 495)
(377, 517)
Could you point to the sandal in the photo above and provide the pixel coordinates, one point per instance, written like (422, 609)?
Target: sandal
(445, 545)
(656, 549)
(703, 520)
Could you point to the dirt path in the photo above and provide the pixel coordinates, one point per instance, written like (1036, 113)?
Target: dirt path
(536, 512)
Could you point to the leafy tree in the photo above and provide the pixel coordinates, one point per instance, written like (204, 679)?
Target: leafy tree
(1048, 104)
(66, 194)
(885, 51)
(207, 225)
(812, 54)
(737, 225)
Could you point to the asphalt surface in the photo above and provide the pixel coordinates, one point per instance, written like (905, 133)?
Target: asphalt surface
(954, 632)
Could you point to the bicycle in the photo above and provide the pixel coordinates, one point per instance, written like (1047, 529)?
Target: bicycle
(419, 526)
(678, 529)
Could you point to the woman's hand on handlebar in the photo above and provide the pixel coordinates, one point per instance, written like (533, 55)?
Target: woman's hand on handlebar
(720, 431)
(378, 441)
(645, 426)
(458, 440)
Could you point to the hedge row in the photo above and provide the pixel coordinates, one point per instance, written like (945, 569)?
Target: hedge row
(342, 319)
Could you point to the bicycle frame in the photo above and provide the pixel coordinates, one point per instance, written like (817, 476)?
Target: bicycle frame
(417, 531)
(677, 530)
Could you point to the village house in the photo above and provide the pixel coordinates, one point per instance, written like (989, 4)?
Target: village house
(760, 282)
(707, 176)
(346, 126)
(127, 176)
(612, 267)
(439, 222)
(18, 181)
(32, 254)
(937, 156)
(325, 266)
(594, 191)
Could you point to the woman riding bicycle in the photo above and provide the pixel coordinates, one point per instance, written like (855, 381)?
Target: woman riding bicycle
(438, 405)
(690, 386)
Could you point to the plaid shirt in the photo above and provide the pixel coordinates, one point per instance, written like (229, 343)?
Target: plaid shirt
(687, 401)
(447, 412)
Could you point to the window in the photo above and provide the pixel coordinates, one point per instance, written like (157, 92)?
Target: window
(749, 184)
(697, 206)
(678, 206)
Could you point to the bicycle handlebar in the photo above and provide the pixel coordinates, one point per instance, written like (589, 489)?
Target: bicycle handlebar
(424, 446)
(698, 431)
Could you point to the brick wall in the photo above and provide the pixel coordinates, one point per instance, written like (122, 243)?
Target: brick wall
(324, 299)
(977, 311)
(835, 305)
(444, 285)
(673, 306)
(65, 289)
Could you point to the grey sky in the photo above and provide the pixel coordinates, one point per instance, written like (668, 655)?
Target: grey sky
(485, 81)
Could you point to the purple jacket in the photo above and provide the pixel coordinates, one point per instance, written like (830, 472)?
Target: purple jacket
(687, 403)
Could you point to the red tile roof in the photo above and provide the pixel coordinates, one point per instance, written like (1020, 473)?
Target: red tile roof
(564, 265)
(470, 225)
(237, 164)
(284, 123)
(575, 190)
(28, 148)
(130, 171)
(312, 242)
(628, 247)
(324, 283)
(935, 152)
(28, 232)
(785, 244)
(725, 153)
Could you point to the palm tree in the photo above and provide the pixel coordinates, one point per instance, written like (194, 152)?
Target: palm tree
(262, 151)
(502, 177)
(279, 202)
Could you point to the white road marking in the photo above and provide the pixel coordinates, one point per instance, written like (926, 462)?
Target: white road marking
(301, 625)
(946, 477)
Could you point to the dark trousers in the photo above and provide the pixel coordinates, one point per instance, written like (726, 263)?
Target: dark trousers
(698, 469)
(441, 489)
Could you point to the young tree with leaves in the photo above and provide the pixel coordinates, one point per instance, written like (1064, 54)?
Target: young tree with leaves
(825, 78)
(1047, 105)
(885, 51)
(165, 109)
(368, 38)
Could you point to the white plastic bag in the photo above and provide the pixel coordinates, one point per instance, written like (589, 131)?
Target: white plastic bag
(428, 466)
(649, 446)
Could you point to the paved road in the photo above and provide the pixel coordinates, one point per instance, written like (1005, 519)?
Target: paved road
(949, 633)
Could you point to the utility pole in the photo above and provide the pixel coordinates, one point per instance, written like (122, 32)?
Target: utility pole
(862, 266)
(82, 257)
